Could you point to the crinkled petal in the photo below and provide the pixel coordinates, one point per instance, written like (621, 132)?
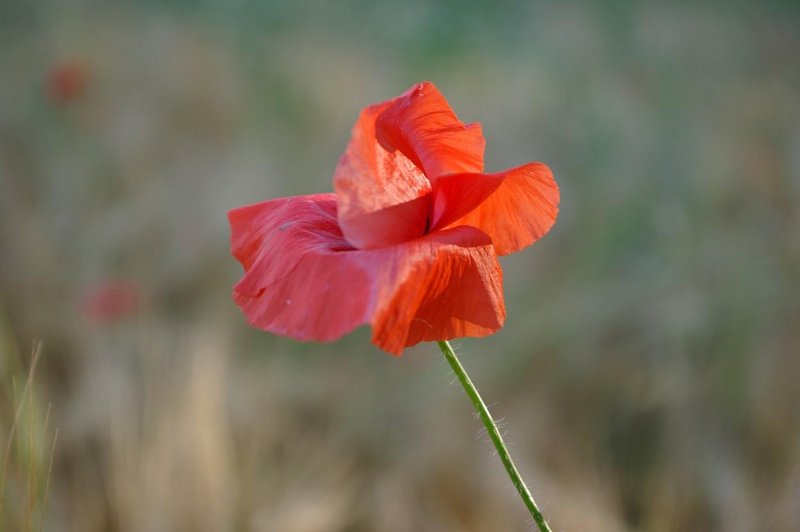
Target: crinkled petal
(421, 124)
(396, 150)
(303, 280)
(515, 208)
(298, 280)
(382, 195)
(443, 286)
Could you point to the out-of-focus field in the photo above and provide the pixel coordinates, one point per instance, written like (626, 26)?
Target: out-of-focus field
(648, 370)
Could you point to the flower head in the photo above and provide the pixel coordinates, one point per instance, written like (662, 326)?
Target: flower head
(407, 243)
(110, 301)
(66, 81)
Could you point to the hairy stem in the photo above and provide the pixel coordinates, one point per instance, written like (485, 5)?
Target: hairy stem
(494, 434)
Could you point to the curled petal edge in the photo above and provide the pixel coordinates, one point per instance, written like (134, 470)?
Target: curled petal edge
(515, 208)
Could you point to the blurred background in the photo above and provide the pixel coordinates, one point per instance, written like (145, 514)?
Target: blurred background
(648, 370)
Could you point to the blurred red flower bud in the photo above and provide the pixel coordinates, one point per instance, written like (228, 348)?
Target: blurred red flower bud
(110, 301)
(66, 81)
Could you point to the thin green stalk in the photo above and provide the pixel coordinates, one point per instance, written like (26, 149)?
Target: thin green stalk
(494, 434)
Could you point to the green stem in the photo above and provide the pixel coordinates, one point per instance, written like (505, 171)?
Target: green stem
(494, 434)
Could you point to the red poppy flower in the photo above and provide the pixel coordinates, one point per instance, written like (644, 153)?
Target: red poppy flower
(110, 301)
(66, 81)
(408, 243)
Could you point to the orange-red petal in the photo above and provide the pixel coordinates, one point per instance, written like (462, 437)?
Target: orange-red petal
(443, 286)
(296, 283)
(421, 124)
(382, 196)
(515, 208)
(396, 150)
(303, 280)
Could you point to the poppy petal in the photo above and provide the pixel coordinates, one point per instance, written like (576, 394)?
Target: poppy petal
(515, 208)
(421, 125)
(298, 280)
(302, 279)
(443, 286)
(382, 195)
